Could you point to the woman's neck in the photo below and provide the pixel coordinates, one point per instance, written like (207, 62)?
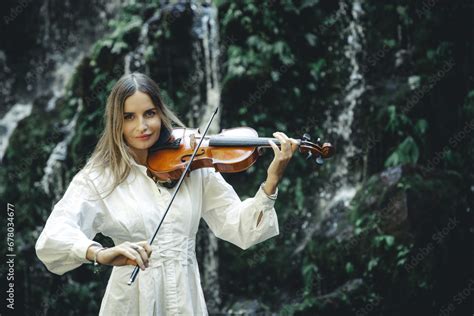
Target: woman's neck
(141, 156)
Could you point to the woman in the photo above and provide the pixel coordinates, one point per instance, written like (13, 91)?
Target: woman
(115, 195)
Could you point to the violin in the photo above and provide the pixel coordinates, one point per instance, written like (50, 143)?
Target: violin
(232, 150)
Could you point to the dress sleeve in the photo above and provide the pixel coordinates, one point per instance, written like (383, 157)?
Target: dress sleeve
(234, 220)
(68, 233)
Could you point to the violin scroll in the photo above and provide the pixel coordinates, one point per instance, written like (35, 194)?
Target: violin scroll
(319, 151)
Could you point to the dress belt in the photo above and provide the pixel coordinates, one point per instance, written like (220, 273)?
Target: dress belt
(180, 249)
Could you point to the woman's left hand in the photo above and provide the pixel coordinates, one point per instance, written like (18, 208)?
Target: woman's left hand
(280, 161)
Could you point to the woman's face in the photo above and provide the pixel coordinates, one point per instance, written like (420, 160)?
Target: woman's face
(141, 123)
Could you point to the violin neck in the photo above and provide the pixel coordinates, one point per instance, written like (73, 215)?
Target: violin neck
(242, 142)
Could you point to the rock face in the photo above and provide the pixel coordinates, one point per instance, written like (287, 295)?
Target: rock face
(398, 231)
(383, 196)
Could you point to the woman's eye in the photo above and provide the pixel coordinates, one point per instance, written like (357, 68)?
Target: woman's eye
(128, 117)
(150, 113)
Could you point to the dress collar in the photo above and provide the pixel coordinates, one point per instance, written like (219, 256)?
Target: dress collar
(144, 170)
(141, 167)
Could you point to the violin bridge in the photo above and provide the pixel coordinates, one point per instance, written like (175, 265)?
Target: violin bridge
(192, 140)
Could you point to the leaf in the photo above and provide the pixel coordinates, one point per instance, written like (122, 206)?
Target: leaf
(311, 39)
(349, 267)
(384, 240)
(118, 47)
(308, 3)
(390, 43)
(421, 127)
(389, 240)
(309, 269)
(392, 125)
(372, 264)
(406, 153)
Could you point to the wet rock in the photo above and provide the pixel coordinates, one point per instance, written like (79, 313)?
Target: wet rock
(248, 307)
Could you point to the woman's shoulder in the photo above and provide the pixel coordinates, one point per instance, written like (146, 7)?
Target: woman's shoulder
(89, 173)
(96, 172)
(91, 179)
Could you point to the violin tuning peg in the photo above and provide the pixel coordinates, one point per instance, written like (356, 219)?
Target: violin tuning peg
(310, 154)
(319, 160)
(306, 137)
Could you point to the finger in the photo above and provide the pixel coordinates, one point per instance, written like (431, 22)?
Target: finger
(279, 136)
(129, 255)
(138, 258)
(284, 136)
(281, 140)
(143, 254)
(284, 139)
(140, 246)
(291, 144)
(294, 144)
(131, 262)
(147, 247)
(285, 143)
(275, 148)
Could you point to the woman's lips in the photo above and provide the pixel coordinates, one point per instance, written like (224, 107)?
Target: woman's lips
(144, 137)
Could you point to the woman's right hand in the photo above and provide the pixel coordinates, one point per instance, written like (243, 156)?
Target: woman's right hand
(127, 253)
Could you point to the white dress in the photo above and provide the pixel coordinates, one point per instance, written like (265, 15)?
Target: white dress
(171, 285)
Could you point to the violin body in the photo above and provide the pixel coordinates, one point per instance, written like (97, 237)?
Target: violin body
(169, 162)
(232, 150)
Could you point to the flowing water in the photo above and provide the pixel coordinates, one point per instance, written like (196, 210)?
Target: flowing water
(206, 54)
(342, 184)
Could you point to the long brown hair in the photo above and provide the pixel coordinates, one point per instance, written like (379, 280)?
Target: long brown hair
(112, 155)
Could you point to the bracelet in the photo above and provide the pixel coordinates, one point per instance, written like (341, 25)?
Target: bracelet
(271, 196)
(95, 255)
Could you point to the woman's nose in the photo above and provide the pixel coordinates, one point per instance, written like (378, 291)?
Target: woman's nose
(143, 126)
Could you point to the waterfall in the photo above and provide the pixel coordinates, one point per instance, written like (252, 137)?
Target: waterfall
(62, 75)
(44, 12)
(208, 32)
(337, 196)
(342, 127)
(52, 181)
(135, 59)
(6, 86)
(9, 122)
(205, 57)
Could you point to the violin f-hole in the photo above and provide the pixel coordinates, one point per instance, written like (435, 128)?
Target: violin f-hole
(201, 151)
